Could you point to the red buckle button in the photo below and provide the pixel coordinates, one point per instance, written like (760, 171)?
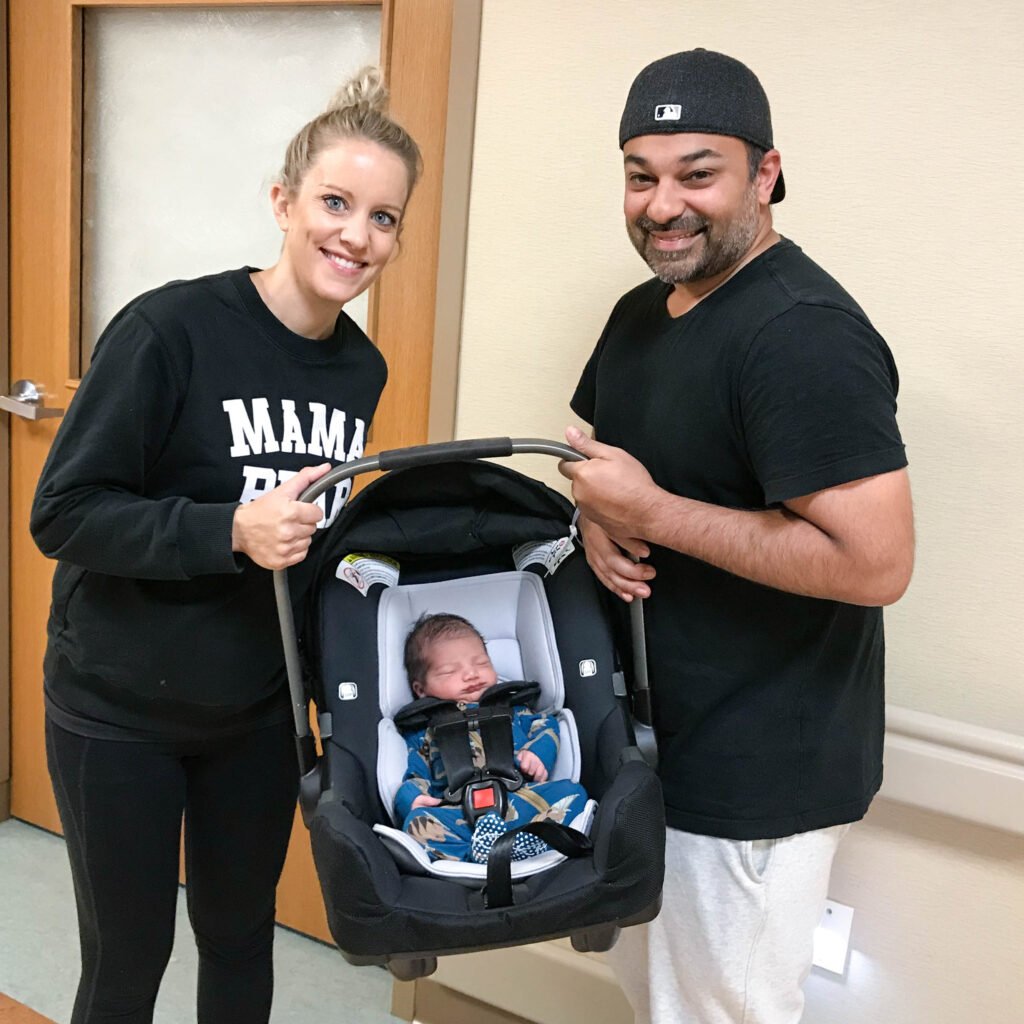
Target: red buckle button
(483, 798)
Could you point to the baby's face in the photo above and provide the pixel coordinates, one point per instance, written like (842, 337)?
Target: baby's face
(459, 670)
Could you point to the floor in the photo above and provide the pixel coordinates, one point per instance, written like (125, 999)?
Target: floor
(17, 1013)
(39, 950)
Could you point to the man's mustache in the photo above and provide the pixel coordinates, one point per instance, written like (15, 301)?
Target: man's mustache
(688, 223)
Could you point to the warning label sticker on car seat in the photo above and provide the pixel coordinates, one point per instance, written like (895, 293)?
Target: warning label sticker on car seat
(362, 570)
(551, 554)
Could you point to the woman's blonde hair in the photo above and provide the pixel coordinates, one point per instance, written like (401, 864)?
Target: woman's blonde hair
(357, 111)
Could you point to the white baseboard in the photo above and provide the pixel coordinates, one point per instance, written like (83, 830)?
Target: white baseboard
(937, 764)
(954, 768)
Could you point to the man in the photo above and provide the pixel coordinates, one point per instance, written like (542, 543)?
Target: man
(747, 452)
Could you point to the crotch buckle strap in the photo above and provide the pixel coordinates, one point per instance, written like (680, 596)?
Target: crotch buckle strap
(567, 841)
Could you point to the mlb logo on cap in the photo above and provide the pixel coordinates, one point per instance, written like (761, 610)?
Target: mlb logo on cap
(668, 112)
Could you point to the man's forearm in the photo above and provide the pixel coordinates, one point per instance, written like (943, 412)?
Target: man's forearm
(853, 542)
(775, 547)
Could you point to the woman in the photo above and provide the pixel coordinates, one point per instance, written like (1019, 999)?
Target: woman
(170, 492)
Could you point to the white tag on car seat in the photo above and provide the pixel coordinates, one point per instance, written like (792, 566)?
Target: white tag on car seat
(551, 554)
(361, 571)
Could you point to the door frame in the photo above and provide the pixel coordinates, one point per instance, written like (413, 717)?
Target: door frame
(5, 445)
(45, 138)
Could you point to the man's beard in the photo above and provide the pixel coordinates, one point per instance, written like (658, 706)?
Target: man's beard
(721, 247)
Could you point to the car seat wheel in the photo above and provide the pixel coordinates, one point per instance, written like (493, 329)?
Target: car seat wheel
(596, 940)
(413, 968)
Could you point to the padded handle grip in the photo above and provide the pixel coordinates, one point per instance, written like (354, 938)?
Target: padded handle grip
(446, 451)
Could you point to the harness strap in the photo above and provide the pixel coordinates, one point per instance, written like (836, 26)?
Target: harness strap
(499, 774)
(451, 725)
(569, 842)
(499, 754)
(420, 713)
(451, 734)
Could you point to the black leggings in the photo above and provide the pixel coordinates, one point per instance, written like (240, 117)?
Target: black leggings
(121, 805)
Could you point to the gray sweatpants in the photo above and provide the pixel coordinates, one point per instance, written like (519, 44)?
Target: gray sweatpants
(734, 939)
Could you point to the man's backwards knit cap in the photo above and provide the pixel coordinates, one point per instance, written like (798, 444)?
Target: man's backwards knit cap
(699, 91)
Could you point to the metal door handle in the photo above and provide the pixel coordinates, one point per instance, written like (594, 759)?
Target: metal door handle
(26, 400)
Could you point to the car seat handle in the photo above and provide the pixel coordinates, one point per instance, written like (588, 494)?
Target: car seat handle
(445, 451)
(433, 454)
(479, 448)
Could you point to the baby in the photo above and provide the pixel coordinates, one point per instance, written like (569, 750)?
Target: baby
(445, 657)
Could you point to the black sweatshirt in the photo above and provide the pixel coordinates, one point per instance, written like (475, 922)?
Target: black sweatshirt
(197, 399)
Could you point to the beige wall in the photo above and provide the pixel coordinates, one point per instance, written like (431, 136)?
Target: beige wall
(937, 938)
(901, 138)
(900, 134)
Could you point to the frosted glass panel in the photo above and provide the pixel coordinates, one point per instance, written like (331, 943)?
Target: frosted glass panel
(187, 114)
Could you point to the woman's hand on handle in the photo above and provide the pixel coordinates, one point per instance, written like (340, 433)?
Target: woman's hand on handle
(275, 531)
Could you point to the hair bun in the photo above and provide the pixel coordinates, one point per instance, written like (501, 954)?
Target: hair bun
(357, 111)
(364, 91)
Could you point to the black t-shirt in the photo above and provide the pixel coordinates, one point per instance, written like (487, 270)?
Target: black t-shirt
(770, 706)
(198, 398)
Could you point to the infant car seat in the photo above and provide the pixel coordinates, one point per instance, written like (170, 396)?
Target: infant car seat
(444, 532)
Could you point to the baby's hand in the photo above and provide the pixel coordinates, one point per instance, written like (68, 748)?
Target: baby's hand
(532, 766)
(425, 801)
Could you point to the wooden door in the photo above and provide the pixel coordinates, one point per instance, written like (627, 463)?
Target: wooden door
(45, 53)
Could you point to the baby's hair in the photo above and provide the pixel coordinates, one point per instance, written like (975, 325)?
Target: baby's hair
(357, 111)
(426, 631)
